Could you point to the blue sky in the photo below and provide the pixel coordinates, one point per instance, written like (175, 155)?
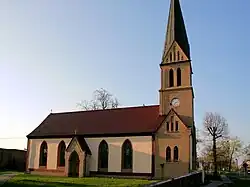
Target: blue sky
(55, 53)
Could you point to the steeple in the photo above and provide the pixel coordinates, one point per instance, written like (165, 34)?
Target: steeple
(176, 31)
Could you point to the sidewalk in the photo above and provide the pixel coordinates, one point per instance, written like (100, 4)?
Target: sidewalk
(214, 184)
(5, 177)
(225, 180)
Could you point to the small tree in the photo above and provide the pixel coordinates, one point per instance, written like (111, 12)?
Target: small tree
(235, 149)
(102, 99)
(216, 127)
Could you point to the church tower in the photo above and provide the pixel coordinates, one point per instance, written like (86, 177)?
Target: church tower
(176, 69)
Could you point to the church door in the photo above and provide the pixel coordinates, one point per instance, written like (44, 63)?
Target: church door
(74, 165)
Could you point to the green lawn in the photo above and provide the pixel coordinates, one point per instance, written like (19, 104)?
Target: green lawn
(25, 180)
(241, 183)
(8, 172)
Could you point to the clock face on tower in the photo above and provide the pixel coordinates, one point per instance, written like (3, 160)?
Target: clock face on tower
(175, 102)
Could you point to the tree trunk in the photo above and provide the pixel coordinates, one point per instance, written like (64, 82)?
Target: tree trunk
(230, 160)
(215, 157)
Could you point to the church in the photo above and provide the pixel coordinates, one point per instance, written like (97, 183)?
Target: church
(152, 142)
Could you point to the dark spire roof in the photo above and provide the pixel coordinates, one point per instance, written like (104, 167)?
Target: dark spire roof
(176, 30)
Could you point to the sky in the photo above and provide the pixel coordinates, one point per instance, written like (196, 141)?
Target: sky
(54, 54)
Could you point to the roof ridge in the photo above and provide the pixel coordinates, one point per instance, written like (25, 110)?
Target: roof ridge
(110, 109)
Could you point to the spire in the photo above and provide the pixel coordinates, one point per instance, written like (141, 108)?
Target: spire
(176, 30)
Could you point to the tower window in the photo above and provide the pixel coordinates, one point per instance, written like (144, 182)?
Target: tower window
(171, 78)
(176, 126)
(168, 154)
(174, 54)
(172, 124)
(170, 57)
(176, 153)
(178, 55)
(167, 126)
(178, 77)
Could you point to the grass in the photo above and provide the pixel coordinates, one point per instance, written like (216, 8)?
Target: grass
(26, 180)
(2, 172)
(241, 182)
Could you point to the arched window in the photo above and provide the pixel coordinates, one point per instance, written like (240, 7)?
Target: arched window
(127, 155)
(103, 155)
(176, 153)
(43, 154)
(168, 154)
(178, 77)
(170, 57)
(61, 154)
(171, 78)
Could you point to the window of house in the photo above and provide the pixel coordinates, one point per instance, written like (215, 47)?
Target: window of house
(176, 126)
(103, 154)
(176, 153)
(127, 155)
(174, 55)
(172, 123)
(171, 78)
(43, 154)
(167, 126)
(168, 154)
(170, 57)
(178, 77)
(61, 154)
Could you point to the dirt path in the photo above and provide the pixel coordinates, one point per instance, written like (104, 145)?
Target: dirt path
(5, 177)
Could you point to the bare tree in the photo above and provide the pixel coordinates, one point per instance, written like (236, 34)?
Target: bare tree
(102, 99)
(216, 127)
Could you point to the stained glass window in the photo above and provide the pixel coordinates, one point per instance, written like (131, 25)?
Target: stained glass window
(103, 154)
(61, 154)
(127, 155)
(43, 154)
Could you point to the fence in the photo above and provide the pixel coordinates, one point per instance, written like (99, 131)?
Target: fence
(194, 179)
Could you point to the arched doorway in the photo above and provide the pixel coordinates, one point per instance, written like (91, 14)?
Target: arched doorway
(74, 165)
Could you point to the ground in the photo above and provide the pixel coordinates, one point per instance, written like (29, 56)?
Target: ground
(26, 180)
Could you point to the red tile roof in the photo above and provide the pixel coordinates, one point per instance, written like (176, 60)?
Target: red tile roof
(131, 120)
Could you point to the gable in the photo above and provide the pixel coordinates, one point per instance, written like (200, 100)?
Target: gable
(173, 117)
(174, 54)
(73, 145)
(79, 144)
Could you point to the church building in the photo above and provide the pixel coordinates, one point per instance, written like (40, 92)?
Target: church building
(157, 141)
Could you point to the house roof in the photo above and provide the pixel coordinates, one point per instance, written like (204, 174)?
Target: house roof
(130, 120)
